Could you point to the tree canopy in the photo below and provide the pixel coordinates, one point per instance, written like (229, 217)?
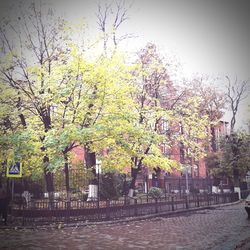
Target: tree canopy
(55, 96)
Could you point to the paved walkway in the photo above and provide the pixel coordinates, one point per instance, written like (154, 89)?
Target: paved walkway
(220, 228)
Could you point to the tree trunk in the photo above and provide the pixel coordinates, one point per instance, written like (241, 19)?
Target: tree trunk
(90, 160)
(49, 181)
(235, 151)
(89, 157)
(236, 176)
(48, 176)
(66, 171)
(134, 172)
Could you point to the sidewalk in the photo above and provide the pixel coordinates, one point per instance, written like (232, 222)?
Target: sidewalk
(217, 228)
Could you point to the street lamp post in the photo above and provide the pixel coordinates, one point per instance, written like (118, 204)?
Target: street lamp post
(186, 168)
(186, 172)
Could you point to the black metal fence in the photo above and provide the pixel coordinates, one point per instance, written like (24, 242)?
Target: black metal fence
(244, 193)
(193, 184)
(78, 180)
(44, 211)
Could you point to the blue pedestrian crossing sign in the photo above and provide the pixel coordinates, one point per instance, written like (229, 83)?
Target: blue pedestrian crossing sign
(14, 170)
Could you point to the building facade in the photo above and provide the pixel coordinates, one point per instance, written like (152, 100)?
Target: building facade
(193, 176)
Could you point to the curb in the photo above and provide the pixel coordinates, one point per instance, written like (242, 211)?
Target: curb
(61, 225)
(143, 217)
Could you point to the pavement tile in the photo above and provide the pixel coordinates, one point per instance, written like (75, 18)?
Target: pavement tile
(221, 228)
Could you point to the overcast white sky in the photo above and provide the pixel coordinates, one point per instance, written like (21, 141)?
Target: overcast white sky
(206, 36)
(210, 36)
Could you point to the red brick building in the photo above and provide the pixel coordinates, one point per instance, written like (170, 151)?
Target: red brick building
(196, 170)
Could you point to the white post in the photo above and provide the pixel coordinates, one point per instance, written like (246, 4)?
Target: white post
(145, 187)
(94, 189)
(131, 192)
(92, 193)
(237, 190)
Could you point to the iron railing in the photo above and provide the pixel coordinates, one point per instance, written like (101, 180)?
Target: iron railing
(44, 211)
(244, 193)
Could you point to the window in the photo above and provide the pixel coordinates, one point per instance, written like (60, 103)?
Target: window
(195, 167)
(164, 126)
(165, 149)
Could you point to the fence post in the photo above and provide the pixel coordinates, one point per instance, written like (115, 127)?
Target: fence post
(236, 197)
(172, 202)
(136, 207)
(180, 186)
(156, 205)
(107, 209)
(23, 220)
(186, 200)
(68, 205)
(198, 201)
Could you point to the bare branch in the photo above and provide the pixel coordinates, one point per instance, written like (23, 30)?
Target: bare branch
(235, 94)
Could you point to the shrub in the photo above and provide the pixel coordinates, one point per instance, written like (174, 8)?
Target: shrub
(111, 186)
(155, 192)
(194, 190)
(84, 196)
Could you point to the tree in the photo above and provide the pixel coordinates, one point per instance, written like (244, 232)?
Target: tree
(235, 94)
(31, 49)
(212, 102)
(110, 17)
(213, 161)
(152, 76)
(102, 108)
(231, 160)
(192, 132)
(156, 101)
(235, 156)
(59, 96)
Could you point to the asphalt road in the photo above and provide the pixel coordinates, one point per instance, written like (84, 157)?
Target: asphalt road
(219, 228)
